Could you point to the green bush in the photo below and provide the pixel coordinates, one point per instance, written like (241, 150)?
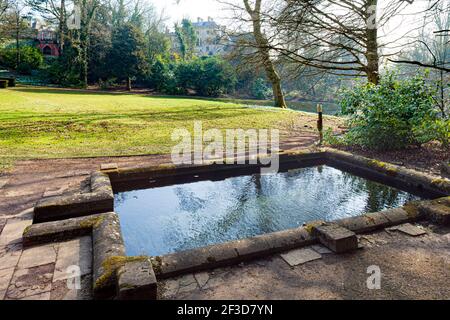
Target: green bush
(208, 76)
(30, 59)
(390, 115)
(162, 77)
(260, 90)
(66, 69)
(436, 129)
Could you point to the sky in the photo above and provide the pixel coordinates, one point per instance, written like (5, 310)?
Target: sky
(176, 10)
(191, 9)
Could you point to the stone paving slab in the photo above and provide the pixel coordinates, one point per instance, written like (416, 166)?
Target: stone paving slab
(60, 289)
(37, 256)
(10, 255)
(76, 252)
(202, 278)
(300, 256)
(5, 279)
(40, 296)
(30, 282)
(13, 230)
(411, 230)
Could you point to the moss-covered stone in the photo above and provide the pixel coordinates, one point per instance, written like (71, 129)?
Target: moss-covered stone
(386, 167)
(309, 227)
(110, 266)
(412, 209)
(27, 230)
(441, 183)
(93, 222)
(156, 264)
(377, 164)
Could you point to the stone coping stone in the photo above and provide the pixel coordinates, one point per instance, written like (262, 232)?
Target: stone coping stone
(109, 167)
(438, 213)
(137, 281)
(228, 253)
(57, 231)
(99, 200)
(383, 219)
(164, 170)
(408, 176)
(324, 156)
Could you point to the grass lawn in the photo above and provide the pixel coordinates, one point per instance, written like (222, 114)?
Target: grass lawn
(56, 123)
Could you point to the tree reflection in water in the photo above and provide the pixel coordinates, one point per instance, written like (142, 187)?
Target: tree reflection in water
(175, 218)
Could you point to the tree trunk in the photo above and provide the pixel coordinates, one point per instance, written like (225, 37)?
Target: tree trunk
(278, 95)
(372, 56)
(18, 41)
(85, 66)
(264, 52)
(128, 83)
(442, 94)
(62, 25)
(84, 43)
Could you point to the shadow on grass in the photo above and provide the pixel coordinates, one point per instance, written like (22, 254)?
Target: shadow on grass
(69, 91)
(152, 115)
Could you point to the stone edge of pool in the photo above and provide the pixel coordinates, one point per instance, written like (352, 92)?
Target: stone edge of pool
(117, 276)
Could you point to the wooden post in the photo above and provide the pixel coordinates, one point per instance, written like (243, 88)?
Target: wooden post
(320, 123)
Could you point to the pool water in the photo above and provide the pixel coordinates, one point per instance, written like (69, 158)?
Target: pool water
(162, 220)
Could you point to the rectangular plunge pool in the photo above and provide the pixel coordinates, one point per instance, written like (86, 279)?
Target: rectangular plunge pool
(167, 218)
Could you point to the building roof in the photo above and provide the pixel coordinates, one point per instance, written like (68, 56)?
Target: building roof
(210, 23)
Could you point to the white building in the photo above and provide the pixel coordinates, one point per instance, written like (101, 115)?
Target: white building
(211, 38)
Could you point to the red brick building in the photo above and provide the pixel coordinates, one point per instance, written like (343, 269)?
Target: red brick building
(47, 42)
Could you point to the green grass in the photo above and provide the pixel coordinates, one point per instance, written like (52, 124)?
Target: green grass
(56, 123)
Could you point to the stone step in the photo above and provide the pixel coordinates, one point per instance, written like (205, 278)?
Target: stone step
(136, 281)
(336, 238)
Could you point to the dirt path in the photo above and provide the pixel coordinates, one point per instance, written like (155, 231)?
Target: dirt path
(411, 268)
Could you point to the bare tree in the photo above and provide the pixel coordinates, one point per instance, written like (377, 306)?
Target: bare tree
(3, 7)
(432, 48)
(264, 52)
(251, 42)
(432, 51)
(339, 36)
(15, 25)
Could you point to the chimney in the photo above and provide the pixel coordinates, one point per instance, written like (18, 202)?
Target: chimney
(210, 19)
(199, 19)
